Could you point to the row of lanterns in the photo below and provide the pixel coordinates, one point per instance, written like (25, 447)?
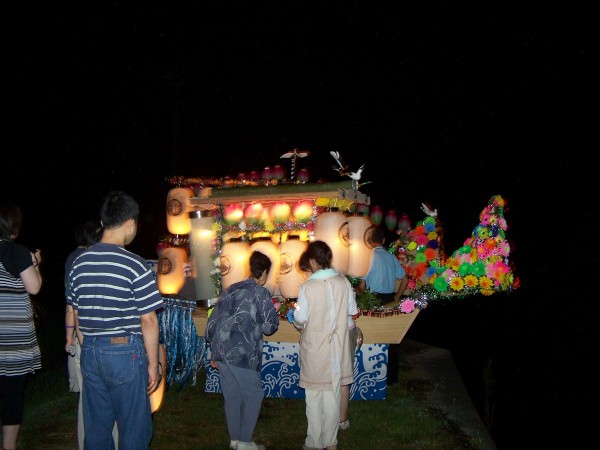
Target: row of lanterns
(179, 206)
(347, 237)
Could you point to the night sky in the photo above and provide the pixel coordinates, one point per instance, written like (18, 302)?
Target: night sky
(445, 103)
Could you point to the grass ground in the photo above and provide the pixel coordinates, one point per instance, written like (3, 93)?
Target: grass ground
(193, 419)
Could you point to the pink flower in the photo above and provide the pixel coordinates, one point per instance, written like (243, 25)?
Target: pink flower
(407, 306)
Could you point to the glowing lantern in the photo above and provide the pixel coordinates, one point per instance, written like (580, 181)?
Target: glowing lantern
(178, 206)
(253, 213)
(360, 251)
(303, 211)
(290, 274)
(391, 219)
(233, 214)
(332, 228)
(254, 175)
(376, 215)
(169, 272)
(280, 212)
(234, 262)
(202, 239)
(267, 247)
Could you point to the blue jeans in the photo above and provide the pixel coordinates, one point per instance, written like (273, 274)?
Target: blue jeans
(115, 379)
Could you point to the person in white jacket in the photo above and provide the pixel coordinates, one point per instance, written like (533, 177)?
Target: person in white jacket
(325, 301)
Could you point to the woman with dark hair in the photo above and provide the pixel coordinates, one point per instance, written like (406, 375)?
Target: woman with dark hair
(325, 302)
(19, 349)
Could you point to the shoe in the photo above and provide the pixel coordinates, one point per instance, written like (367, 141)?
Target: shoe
(345, 425)
(249, 446)
(233, 444)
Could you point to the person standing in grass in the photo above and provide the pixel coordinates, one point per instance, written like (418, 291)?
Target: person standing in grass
(235, 330)
(325, 302)
(19, 349)
(86, 235)
(115, 298)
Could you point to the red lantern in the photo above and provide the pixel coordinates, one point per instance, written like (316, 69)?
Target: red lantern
(253, 213)
(391, 219)
(233, 214)
(280, 212)
(376, 215)
(303, 211)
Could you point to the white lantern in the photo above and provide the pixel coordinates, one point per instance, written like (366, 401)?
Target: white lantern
(178, 207)
(360, 250)
(270, 249)
(234, 262)
(332, 228)
(290, 274)
(202, 239)
(169, 272)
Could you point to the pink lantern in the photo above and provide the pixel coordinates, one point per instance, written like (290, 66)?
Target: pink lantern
(303, 211)
(278, 173)
(404, 222)
(267, 174)
(391, 219)
(280, 212)
(233, 214)
(254, 175)
(376, 215)
(253, 213)
(362, 209)
(302, 175)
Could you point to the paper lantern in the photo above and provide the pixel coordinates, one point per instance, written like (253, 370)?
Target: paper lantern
(234, 262)
(253, 213)
(278, 172)
(360, 251)
(303, 211)
(280, 213)
(178, 207)
(303, 175)
(376, 215)
(361, 208)
(290, 274)
(169, 272)
(202, 240)
(332, 227)
(233, 214)
(267, 247)
(391, 219)
(404, 222)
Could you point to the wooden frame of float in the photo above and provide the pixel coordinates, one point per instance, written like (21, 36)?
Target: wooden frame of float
(376, 330)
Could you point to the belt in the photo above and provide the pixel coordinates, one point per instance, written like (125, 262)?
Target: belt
(119, 340)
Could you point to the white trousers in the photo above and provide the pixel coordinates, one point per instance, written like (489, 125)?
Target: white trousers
(323, 415)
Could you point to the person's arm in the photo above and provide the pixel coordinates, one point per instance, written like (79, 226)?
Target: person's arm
(69, 327)
(150, 332)
(32, 278)
(402, 287)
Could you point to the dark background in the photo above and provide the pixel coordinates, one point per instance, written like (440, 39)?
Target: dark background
(445, 103)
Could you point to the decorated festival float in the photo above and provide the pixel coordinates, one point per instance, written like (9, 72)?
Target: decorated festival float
(216, 223)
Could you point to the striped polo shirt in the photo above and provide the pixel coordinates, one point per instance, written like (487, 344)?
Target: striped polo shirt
(111, 287)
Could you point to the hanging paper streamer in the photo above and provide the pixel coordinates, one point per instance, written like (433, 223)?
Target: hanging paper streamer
(185, 349)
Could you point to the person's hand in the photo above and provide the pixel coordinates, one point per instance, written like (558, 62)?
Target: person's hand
(154, 377)
(36, 257)
(70, 341)
(214, 365)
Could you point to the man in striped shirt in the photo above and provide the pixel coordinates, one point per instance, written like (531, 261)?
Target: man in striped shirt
(115, 298)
